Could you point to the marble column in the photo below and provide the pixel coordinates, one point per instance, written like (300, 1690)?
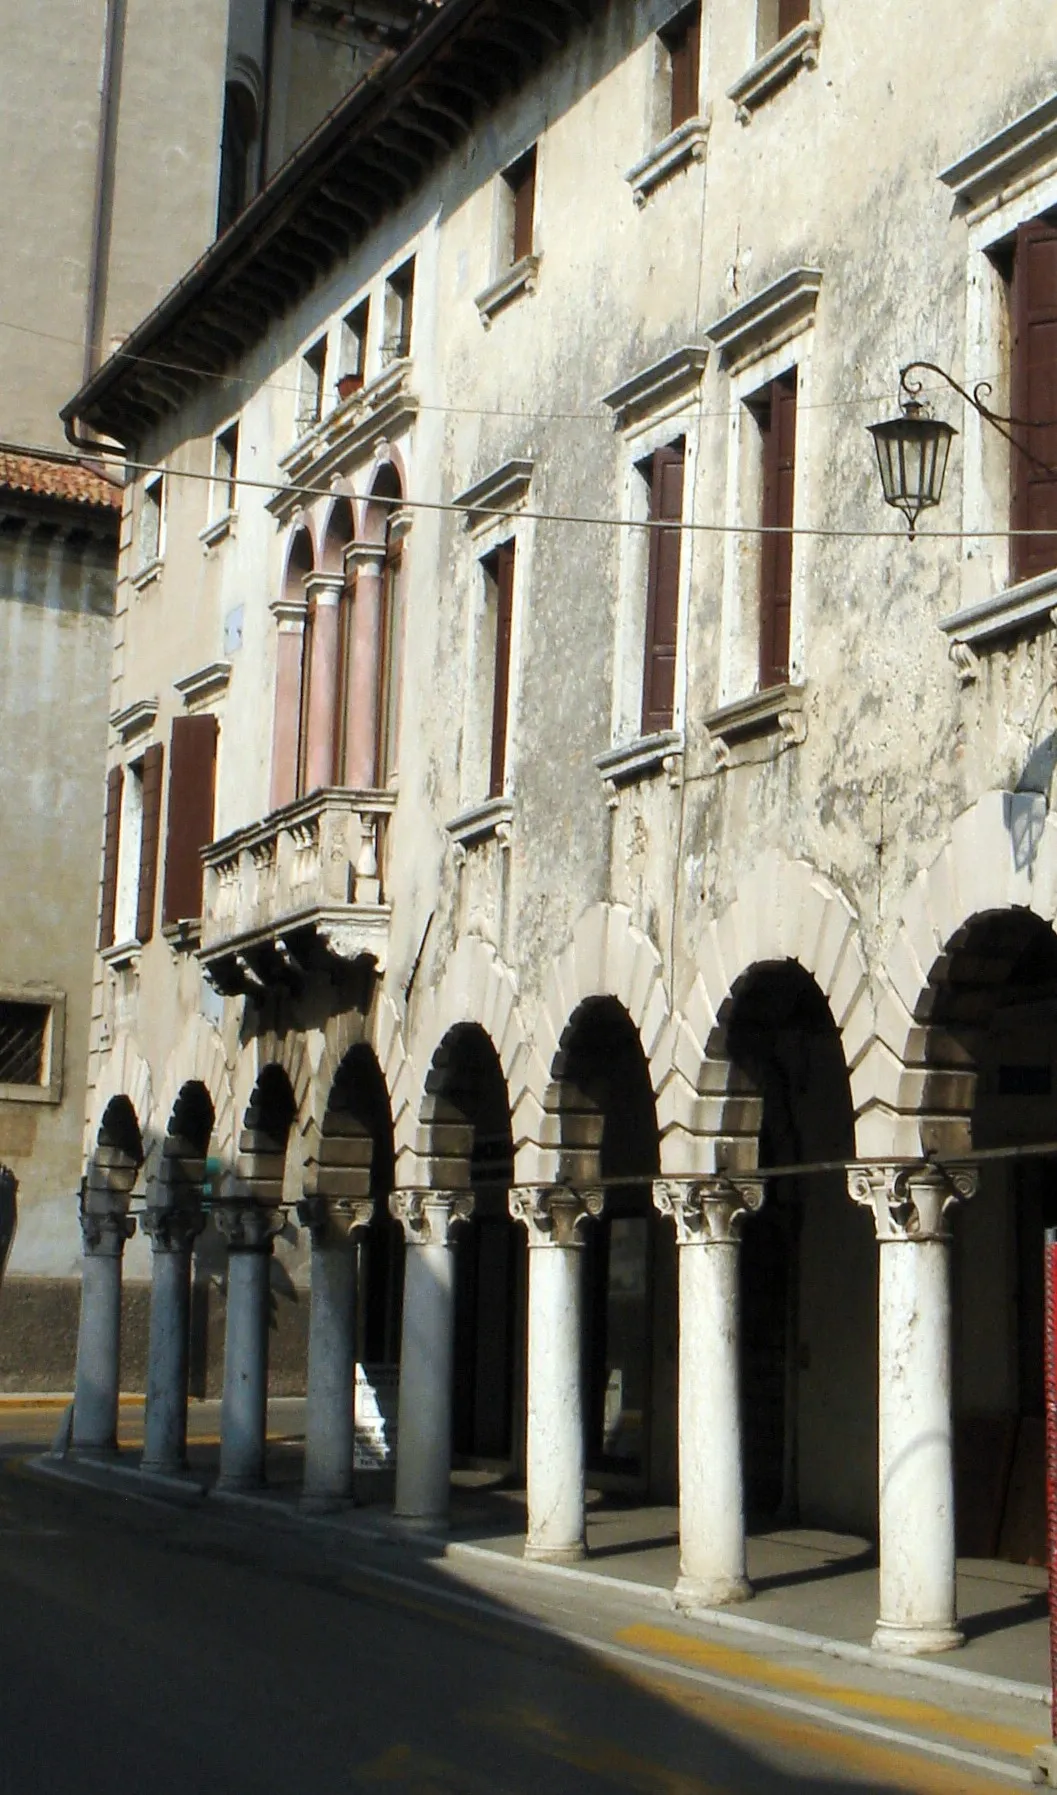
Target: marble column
(911, 1208)
(423, 1449)
(97, 1380)
(324, 592)
(173, 1231)
(555, 1218)
(708, 1215)
(364, 561)
(289, 614)
(249, 1229)
(330, 1429)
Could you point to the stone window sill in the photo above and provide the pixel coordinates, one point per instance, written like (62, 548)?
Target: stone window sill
(778, 711)
(204, 685)
(523, 277)
(1025, 608)
(798, 49)
(490, 821)
(644, 758)
(135, 720)
(184, 937)
(148, 573)
(217, 530)
(122, 956)
(31, 1093)
(687, 143)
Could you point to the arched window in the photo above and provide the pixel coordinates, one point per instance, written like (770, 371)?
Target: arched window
(237, 144)
(387, 494)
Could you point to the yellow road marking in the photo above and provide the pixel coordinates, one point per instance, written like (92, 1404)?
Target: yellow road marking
(728, 1661)
(597, 1757)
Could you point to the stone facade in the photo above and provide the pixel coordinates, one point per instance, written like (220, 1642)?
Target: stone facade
(807, 924)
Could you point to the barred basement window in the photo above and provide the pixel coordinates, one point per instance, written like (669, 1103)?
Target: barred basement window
(31, 1046)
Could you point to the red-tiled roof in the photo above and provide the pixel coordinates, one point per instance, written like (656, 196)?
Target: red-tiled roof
(57, 480)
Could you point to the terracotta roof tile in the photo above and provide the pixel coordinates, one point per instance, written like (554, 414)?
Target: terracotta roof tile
(57, 480)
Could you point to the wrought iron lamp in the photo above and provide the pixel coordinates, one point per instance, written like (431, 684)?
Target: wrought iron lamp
(912, 449)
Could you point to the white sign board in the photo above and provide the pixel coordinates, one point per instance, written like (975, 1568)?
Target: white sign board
(376, 1394)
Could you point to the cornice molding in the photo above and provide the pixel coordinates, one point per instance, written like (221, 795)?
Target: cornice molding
(651, 391)
(502, 491)
(1015, 157)
(135, 720)
(768, 319)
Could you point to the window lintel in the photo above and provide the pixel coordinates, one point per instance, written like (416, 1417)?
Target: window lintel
(763, 323)
(653, 390)
(501, 492)
(1020, 154)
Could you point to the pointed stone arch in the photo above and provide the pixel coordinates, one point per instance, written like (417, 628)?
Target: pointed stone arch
(1000, 857)
(785, 910)
(476, 987)
(124, 1073)
(199, 1058)
(289, 1052)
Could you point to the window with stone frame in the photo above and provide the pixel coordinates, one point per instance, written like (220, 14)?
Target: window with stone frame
(774, 409)
(32, 1036)
(310, 385)
(775, 19)
(681, 40)
(663, 473)
(1029, 265)
(518, 199)
(150, 533)
(398, 312)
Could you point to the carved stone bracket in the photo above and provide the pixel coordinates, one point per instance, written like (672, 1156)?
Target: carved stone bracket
(710, 1211)
(966, 662)
(428, 1216)
(555, 1215)
(331, 1221)
(910, 1203)
(249, 1227)
(173, 1228)
(107, 1233)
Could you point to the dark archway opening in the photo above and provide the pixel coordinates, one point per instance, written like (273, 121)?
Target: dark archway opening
(630, 1284)
(808, 1271)
(995, 1012)
(188, 1180)
(357, 1139)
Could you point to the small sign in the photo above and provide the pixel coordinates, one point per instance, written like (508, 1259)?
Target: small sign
(376, 1402)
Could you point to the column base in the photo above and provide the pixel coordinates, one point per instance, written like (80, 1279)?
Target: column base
(915, 1642)
(712, 1592)
(165, 1467)
(574, 1554)
(1044, 1765)
(422, 1523)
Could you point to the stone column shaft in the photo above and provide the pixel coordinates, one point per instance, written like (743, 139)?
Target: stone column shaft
(330, 1426)
(324, 592)
(172, 1231)
(97, 1381)
(249, 1230)
(708, 1216)
(918, 1609)
(289, 646)
(555, 1219)
(361, 724)
(423, 1452)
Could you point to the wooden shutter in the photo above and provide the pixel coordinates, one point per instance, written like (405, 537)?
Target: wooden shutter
(115, 785)
(1034, 397)
(662, 591)
(684, 47)
(792, 13)
(524, 187)
(148, 841)
(189, 826)
(504, 611)
(778, 429)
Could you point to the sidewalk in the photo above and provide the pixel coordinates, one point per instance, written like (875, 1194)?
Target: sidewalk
(820, 1587)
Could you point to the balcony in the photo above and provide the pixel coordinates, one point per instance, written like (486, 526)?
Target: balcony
(297, 892)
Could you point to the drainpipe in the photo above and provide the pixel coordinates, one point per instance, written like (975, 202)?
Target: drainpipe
(102, 208)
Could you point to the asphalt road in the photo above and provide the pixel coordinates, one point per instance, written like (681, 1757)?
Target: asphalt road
(144, 1647)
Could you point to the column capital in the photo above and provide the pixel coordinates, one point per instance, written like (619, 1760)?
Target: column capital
(172, 1228)
(323, 588)
(289, 613)
(332, 1221)
(248, 1227)
(555, 1214)
(708, 1212)
(911, 1203)
(104, 1233)
(428, 1216)
(368, 557)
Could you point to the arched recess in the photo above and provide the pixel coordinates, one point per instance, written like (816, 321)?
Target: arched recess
(293, 663)
(199, 1058)
(784, 911)
(116, 1157)
(124, 1073)
(289, 1052)
(469, 1145)
(606, 957)
(353, 1157)
(271, 1112)
(187, 1178)
(917, 1085)
(372, 678)
(476, 987)
(604, 1109)
(338, 534)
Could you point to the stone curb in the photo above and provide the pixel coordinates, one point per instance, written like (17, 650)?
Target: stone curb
(386, 1531)
(114, 1478)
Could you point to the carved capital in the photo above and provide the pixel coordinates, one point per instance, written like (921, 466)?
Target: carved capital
(104, 1234)
(910, 1203)
(332, 1221)
(428, 1216)
(555, 1215)
(173, 1228)
(248, 1227)
(709, 1211)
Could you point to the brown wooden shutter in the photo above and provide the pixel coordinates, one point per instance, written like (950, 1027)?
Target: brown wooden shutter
(792, 13)
(189, 826)
(148, 841)
(524, 205)
(684, 47)
(662, 592)
(776, 549)
(504, 611)
(1034, 397)
(115, 785)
